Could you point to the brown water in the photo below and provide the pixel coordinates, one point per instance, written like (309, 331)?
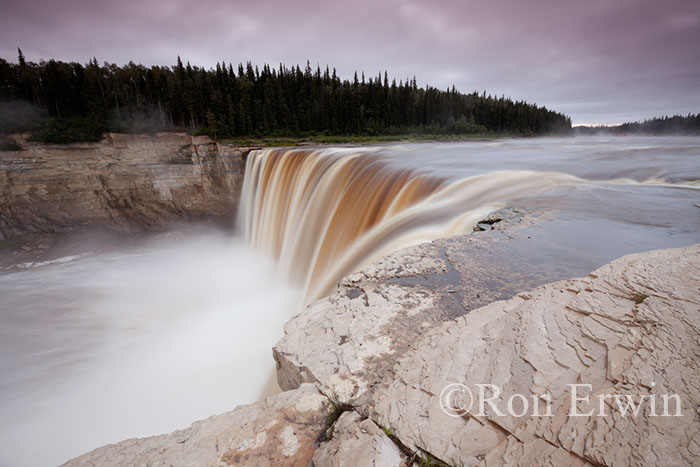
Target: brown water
(323, 213)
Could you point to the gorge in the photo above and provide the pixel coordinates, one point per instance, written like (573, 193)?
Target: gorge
(553, 208)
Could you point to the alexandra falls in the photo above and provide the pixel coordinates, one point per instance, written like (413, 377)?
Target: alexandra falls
(391, 234)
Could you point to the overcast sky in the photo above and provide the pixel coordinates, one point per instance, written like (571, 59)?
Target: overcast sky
(599, 61)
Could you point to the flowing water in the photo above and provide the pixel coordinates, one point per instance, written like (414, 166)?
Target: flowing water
(141, 341)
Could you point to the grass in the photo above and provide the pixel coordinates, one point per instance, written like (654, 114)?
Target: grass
(311, 140)
(12, 241)
(639, 297)
(423, 458)
(428, 460)
(337, 409)
(63, 131)
(387, 431)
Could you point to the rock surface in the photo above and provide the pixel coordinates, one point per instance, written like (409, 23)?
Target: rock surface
(360, 442)
(379, 313)
(631, 328)
(125, 182)
(281, 430)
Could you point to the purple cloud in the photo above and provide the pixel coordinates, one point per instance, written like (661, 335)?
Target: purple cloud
(599, 61)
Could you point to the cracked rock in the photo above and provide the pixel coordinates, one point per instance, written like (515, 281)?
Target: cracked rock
(358, 442)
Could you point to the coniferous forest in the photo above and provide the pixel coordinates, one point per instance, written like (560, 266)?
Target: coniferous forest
(675, 125)
(64, 102)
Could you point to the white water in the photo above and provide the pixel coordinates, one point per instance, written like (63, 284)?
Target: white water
(133, 344)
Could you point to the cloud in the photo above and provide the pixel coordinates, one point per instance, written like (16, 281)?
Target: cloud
(595, 60)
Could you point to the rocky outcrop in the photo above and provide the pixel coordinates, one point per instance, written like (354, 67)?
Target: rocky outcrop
(395, 335)
(125, 182)
(381, 312)
(281, 430)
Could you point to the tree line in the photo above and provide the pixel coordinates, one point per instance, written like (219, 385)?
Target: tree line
(63, 102)
(675, 125)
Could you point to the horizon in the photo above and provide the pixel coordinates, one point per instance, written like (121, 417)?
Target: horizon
(595, 62)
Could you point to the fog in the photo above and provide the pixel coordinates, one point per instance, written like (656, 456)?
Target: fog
(18, 115)
(119, 345)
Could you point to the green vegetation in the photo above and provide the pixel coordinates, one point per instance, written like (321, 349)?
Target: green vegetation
(676, 125)
(9, 242)
(63, 102)
(387, 431)
(68, 130)
(639, 297)
(352, 139)
(428, 460)
(337, 409)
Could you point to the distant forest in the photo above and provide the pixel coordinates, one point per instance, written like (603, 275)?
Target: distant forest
(676, 125)
(64, 102)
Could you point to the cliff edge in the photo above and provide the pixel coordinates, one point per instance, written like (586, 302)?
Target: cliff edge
(126, 182)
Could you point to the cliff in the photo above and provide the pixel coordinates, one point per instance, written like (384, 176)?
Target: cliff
(125, 182)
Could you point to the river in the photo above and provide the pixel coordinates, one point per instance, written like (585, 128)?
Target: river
(108, 345)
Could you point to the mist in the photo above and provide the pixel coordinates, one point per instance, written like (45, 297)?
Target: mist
(16, 115)
(98, 348)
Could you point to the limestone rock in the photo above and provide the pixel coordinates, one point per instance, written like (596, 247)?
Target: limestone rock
(360, 329)
(281, 430)
(379, 313)
(358, 442)
(124, 182)
(629, 329)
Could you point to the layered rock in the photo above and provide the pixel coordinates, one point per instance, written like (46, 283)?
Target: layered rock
(125, 182)
(630, 330)
(281, 430)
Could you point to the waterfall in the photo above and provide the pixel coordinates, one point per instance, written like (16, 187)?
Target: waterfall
(324, 213)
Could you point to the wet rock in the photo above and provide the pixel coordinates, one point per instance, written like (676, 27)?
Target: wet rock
(380, 312)
(281, 430)
(491, 219)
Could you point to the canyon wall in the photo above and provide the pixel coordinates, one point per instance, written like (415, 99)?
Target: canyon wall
(125, 182)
